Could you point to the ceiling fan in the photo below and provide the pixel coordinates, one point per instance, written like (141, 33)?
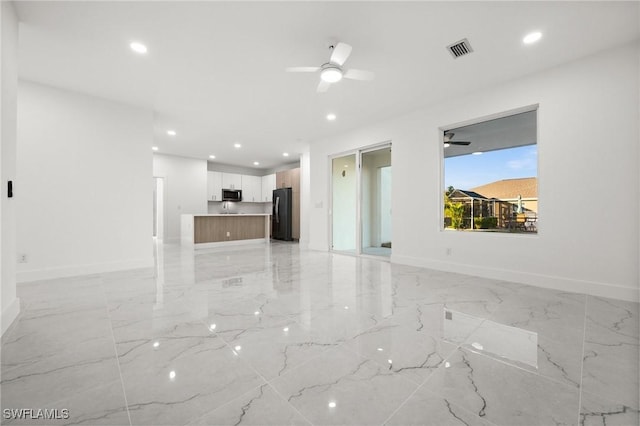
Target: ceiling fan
(332, 72)
(448, 142)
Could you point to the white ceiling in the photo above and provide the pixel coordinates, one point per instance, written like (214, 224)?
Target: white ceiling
(215, 70)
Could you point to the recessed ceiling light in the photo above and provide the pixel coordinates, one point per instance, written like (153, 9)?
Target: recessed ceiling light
(212, 156)
(532, 37)
(285, 154)
(138, 47)
(331, 117)
(332, 404)
(255, 163)
(476, 153)
(237, 145)
(155, 148)
(171, 132)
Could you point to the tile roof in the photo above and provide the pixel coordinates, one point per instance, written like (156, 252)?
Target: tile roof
(465, 193)
(510, 188)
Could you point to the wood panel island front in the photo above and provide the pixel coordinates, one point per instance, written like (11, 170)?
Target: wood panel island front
(214, 230)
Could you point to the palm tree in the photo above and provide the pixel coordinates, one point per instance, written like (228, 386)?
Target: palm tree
(457, 214)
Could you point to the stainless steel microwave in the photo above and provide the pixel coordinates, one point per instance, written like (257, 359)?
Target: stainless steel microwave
(231, 195)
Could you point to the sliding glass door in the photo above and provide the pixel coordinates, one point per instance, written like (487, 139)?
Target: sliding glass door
(375, 211)
(361, 202)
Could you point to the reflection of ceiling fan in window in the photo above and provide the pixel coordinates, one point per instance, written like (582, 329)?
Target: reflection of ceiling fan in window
(448, 142)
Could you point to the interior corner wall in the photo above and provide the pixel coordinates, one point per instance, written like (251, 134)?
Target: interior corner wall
(185, 190)
(305, 181)
(588, 172)
(9, 303)
(84, 197)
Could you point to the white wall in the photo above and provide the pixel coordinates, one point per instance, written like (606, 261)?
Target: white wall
(8, 109)
(344, 203)
(185, 190)
(305, 200)
(85, 203)
(588, 150)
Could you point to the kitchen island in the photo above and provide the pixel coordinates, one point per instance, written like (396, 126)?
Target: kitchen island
(215, 230)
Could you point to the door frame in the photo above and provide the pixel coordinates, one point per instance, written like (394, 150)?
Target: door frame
(358, 161)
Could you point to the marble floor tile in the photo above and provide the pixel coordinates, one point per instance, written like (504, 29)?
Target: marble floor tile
(101, 405)
(174, 391)
(49, 378)
(339, 387)
(558, 316)
(337, 323)
(596, 411)
(411, 344)
(612, 351)
(274, 351)
(161, 347)
(428, 409)
(271, 334)
(557, 360)
(261, 406)
(503, 394)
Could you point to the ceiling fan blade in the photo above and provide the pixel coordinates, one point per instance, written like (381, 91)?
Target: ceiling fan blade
(359, 75)
(323, 86)
(340, 53)
(464, 143)
(302, 69)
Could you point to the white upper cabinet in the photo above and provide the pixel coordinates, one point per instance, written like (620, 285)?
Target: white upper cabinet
(231, 181)
(251, 189)
(214, 186)
(255, 189)
(268, 185)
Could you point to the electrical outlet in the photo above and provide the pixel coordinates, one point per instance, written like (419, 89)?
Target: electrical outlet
(22, 258)
(449, 251)
(228, 234)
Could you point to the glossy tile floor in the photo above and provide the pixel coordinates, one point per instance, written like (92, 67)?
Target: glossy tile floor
(271, 335)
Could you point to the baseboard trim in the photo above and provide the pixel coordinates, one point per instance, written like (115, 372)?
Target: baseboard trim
(75, 270)
(10, 314)
(592, 288)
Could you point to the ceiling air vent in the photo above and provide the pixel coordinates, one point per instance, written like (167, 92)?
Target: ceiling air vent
(460, 48)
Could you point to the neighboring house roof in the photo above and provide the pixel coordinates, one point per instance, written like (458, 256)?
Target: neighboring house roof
(510, 188)
(459, 193)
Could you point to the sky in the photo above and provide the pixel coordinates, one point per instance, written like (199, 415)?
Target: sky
(470, 171)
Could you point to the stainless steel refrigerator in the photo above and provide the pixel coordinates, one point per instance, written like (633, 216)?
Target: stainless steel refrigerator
(281, 215)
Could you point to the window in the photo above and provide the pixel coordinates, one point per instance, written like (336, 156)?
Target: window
(491, 175)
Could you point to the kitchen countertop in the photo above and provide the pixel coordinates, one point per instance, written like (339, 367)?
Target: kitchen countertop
(228, 214)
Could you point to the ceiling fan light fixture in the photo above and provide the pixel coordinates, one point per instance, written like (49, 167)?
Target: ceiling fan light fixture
(447, 144)
(331, 74)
